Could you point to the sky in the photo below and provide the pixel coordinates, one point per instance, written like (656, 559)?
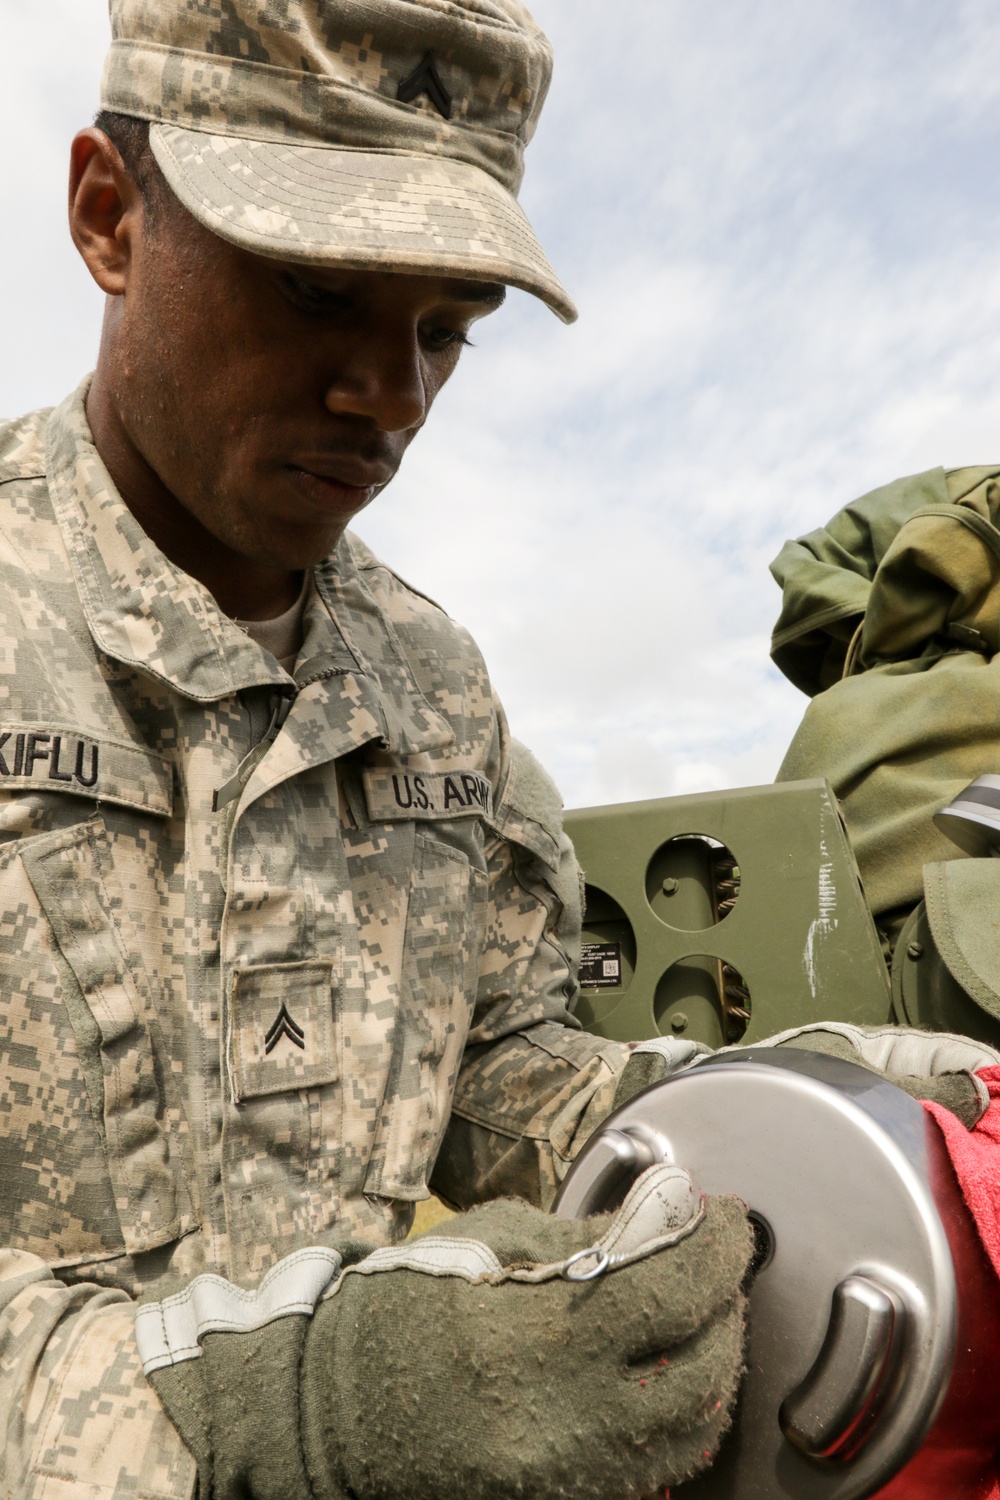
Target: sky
(781, 224)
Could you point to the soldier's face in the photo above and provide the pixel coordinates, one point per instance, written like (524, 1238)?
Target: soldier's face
(270, 401)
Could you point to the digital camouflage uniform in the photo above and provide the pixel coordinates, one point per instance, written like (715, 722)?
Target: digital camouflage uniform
(276, 953)
(200, 853)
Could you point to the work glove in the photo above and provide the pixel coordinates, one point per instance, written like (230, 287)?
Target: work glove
(934, 1065)
(511, 1354)
(653, 1061)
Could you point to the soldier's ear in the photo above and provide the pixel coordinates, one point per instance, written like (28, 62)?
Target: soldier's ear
(105, 209)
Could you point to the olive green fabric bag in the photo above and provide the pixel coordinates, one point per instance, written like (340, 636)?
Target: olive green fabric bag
(891, 622)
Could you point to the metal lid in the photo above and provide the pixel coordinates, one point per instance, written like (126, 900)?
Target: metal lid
(853, 1310)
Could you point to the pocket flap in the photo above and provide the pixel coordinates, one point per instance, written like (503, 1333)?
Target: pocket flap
(282, 1030)
(963, 908)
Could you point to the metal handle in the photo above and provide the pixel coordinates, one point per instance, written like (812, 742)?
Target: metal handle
(614, 1160)
(832, 1413)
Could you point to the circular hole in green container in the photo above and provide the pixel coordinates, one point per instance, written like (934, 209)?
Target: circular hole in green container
(692, 882)
(702, 998)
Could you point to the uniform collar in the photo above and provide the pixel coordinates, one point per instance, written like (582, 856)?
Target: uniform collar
(146, 612)
(371, 651)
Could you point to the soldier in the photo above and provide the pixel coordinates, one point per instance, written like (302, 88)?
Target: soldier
(288, 922)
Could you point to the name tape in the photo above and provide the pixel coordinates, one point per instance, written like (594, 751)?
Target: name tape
(393, 795)
(34, 756)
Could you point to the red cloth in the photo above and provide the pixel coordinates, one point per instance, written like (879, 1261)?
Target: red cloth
(975, 1155)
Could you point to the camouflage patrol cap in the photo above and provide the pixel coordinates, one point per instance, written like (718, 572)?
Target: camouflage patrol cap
(376, 134)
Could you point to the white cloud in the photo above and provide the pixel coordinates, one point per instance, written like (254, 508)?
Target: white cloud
(50, 68)
(780, 223)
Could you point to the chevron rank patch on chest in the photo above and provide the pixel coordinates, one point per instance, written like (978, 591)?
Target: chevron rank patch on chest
(398, 794)
(282, 1032)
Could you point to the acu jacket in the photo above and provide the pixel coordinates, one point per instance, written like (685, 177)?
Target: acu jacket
(276, 952)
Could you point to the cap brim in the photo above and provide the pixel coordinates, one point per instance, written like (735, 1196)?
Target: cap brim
(369, 210)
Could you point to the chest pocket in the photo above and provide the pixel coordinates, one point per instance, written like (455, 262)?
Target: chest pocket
(106, 992)
(442, 943)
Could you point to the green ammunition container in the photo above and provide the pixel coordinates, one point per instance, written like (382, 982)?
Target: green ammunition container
(725, 917)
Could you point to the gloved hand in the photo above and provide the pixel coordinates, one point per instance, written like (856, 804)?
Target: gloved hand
(654, 1060)
(512, 1354)
(933, 1065)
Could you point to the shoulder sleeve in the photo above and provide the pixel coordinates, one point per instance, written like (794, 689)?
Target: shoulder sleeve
(532, 1085)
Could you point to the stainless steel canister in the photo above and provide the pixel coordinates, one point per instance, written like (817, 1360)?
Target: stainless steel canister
(873, 1313)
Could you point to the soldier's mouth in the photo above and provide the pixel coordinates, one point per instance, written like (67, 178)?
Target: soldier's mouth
(331, 492)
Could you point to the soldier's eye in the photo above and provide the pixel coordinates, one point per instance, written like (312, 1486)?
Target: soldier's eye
(448, 338)
(311, 295)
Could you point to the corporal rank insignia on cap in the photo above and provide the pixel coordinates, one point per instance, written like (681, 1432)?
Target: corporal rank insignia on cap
(425, 79)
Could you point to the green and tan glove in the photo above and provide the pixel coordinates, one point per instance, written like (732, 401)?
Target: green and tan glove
(934, 1065)
(513, 1354)
(653, 1061)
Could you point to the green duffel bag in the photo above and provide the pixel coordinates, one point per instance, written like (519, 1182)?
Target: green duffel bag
(891, 623)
